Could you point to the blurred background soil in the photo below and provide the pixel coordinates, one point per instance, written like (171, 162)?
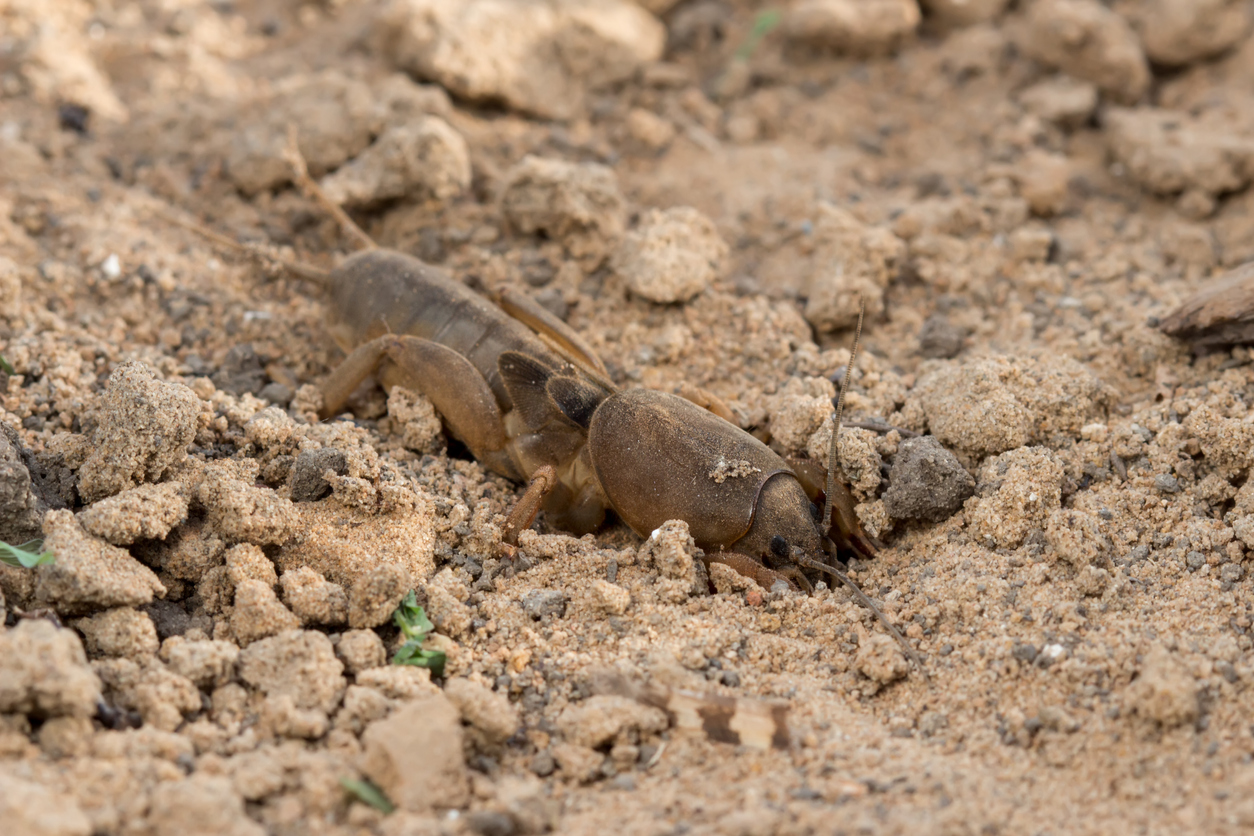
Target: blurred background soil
(703, 189)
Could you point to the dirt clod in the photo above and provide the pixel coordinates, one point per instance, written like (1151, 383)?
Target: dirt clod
(145, 426)
(44, 672)
(415, 756)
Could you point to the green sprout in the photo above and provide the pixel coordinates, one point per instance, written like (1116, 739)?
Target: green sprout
(763, 25)
(415, 626)
(6, 366)
(368, 792)
(26, 556)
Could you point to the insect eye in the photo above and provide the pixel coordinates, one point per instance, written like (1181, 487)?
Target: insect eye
(814, 511)
(779, 546)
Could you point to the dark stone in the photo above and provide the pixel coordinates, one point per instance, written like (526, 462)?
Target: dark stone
(276, 393)
(241, 371)
(169, 618)
(927, 482)
(490, 823)
(308, 484)
(73, 117)
(541, 602)
(543, 764)
(940, 339)
(21, 511)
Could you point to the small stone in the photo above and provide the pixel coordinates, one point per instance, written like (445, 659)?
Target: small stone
(1076, 537)
(964, 12)
(1180, 32)
(1171, 152)
(147, 512)
(1044, 180)
(276, 393)
(242, 513)
(1194, 561)
(488, 711)
(940, 339)
(927, 482)
(1015, 493)
(879, 658)
(145, 426)
(415, 756)
(648, 130)
(578, 204)
(300, 664)
(89, 574)
(1166, 483)
(209, 664)
(1031, 243)
(202, 805)
(424, 158)
(861, 27)
(540, 57)
(334, 116)
(1063, 100)
(543, 764)
(1088, 41)
(308, 483)
(258, 613)
(247, 562)
(610, 598)
(376, 595)
(312, 598)
(119, 632)
(44, 672)
(671, 256)
(851, 263)
(603, 718)
(31, 809)
(1164, 691)
(539, 603)
(360, 650)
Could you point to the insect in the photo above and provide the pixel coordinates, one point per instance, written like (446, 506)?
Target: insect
(532, 402)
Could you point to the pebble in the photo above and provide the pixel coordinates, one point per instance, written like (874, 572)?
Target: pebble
(541, 602)
(862, 27)
(544, 56)
(671, 256)
(307, 482)
(1089, 41)
(1179, 32)
(926, 482)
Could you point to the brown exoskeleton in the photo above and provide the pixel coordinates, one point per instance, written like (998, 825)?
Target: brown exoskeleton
(532, 402)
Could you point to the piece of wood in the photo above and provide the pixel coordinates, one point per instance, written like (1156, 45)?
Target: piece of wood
(1220, 314)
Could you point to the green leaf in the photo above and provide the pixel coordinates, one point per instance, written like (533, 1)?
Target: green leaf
(6, 366)
(411, 619)
(366, 792)
(26, 556)
(763, 25)
(411, 653)
(415, 626)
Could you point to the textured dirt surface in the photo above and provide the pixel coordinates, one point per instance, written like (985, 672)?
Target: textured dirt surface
(703, 190)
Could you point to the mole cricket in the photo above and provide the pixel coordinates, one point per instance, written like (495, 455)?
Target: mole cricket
(532, 402)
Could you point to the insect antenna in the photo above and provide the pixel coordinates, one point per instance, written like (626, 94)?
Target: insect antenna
(866, 601)
(265, 255)
(833, 450)
(300, 173)
(833, 459)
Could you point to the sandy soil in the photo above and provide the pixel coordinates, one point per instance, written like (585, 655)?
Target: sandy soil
(1019, 194)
